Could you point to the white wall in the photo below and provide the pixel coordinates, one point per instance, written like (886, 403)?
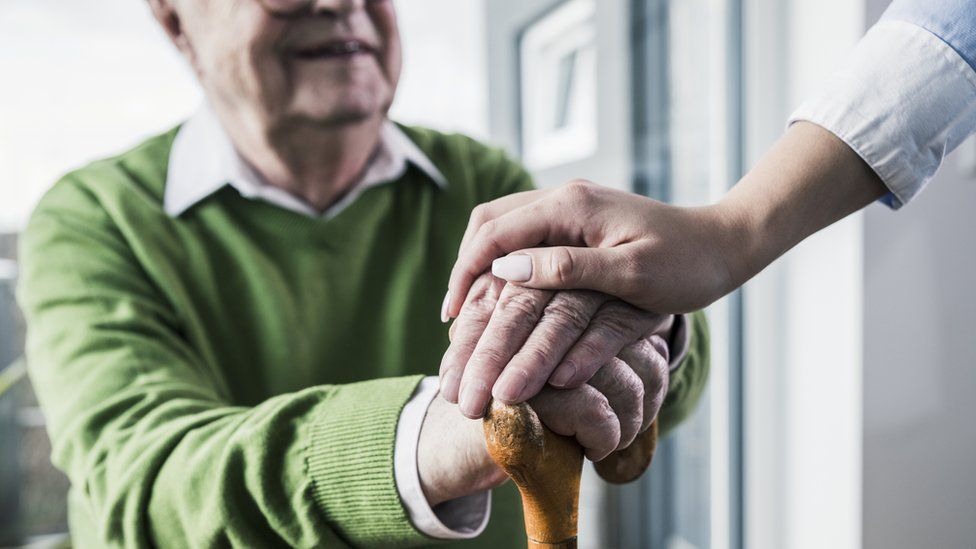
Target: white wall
(444, 81)
(803, 315)
(80, 80)
(920, 363)
(920, 368)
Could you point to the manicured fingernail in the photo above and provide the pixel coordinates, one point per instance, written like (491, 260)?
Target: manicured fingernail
(449, 386)
(563, 375)
(472, 401)
(509, 387)
(514, 268)
(447, 300)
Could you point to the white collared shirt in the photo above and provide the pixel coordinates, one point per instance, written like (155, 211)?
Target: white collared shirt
(203, 160)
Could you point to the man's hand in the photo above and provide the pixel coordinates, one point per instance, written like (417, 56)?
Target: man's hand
(509, 341)
(604, 415)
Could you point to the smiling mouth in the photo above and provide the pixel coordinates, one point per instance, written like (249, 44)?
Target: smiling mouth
(343, 49)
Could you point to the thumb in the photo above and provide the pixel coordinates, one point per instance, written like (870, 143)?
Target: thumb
(562, 268)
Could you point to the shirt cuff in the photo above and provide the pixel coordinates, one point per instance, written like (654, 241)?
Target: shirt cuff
(680, 342)
(902, 101)
(461, 518)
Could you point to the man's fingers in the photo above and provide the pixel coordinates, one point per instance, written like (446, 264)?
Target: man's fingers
(583, 413)
(515, 316)
(466, 332)
(647, 361)
(615, 326)
(564, 319)
(554, 218)
(624, 390)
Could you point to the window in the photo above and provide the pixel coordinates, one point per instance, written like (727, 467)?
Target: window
(686, 59)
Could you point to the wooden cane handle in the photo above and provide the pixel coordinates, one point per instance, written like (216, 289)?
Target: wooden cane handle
(546, 467)
(629, 464)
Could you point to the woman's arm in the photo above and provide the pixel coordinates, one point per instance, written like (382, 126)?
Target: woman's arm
(880, 128)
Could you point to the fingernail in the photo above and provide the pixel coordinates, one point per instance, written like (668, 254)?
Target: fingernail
(563, 375)
(449, 386)
(472, 401)
(447, 300)
(509, 388)
(514, 268)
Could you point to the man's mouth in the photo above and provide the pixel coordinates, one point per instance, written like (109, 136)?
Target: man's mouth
(335, 49)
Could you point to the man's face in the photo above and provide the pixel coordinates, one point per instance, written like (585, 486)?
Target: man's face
(278, 62)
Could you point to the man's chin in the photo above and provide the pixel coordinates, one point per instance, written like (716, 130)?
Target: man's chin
(348, 113)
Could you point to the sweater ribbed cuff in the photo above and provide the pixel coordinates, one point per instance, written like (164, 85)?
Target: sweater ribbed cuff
(349, 459)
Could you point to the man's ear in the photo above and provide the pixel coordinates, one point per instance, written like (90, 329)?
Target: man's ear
(165, 12)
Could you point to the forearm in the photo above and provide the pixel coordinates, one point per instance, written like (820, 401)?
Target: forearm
(807, 181)
(304, 469)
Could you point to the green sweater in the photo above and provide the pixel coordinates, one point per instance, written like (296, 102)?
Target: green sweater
(234, 376)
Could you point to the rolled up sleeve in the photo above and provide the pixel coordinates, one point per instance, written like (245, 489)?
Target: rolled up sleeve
(906, 97)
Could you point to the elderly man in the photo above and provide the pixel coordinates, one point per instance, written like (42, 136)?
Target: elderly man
(229, 325)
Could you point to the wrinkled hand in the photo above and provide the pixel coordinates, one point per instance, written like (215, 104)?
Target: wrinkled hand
(509, 341)
(619, 402)
(605, 414)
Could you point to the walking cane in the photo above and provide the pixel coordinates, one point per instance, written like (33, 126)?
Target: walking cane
(546, 468)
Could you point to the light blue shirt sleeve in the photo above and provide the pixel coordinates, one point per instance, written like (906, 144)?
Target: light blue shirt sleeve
(906, 96)
(953, 21)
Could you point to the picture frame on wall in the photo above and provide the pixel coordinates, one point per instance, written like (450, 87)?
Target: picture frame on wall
(558, 86)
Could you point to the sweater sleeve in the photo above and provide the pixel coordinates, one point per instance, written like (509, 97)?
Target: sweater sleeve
(689, 377)
(145, 430)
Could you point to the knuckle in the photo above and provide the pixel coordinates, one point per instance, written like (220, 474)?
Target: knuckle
(563, 267)
(483, 295)
(479, 214)
(487, 362)
(531, 357)
(634, 388)
(522, 303)
(598, 412)
(618, 320)
(580, 190)
(587, 352)
(488, 228)
(563, 314)
(489, 235)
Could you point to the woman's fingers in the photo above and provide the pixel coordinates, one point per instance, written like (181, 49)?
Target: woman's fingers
(519, 228)
(568, 216)
(487, 211)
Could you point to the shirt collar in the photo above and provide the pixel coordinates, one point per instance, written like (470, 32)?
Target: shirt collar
(203, 160)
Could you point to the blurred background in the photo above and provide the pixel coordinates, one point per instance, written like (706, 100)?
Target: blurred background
(839, 412)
